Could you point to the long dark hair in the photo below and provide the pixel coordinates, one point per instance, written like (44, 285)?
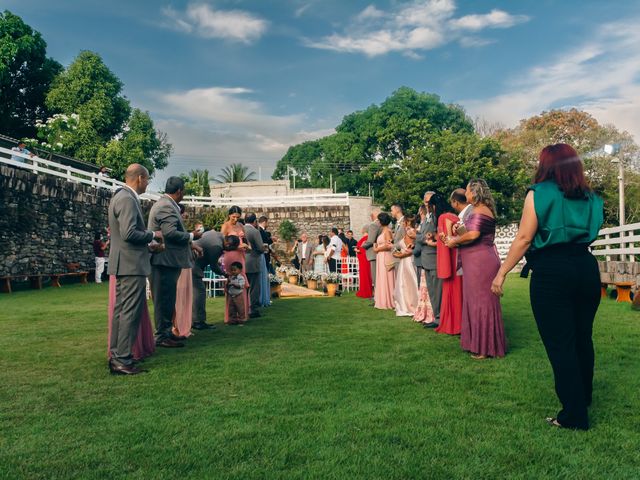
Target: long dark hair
(561, 163)
(439, 205)
(235, 209)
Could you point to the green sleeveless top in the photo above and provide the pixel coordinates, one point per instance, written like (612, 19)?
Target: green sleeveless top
(565, 220)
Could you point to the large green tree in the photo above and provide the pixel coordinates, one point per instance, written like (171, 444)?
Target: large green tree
(370, 142)
(25, 76)
(581, 130)
(88, 88)
(197, 183)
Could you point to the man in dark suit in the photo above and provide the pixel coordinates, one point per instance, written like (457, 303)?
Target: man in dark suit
(167, 265)
(253, 261)
(426, 237)
(267, 240)
(213, 244)
(129, 262)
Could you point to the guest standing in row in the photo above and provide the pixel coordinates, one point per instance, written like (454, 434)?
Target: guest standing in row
(254, 262)
(365, 289)
(129, 263)
(561, 218)
(385, 276)
(99, 249)
(426, 237)
(406, 283)
(233, 227)
(334, 250)
(167, 265)
(373, 231)
(447, 267)
(482, 331)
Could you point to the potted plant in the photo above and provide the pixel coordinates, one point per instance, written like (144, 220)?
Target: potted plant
(275, 282)
(312, 280)
(281, 272)
(293, 275)
(332, 280)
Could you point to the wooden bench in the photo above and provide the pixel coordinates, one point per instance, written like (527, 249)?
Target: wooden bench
(36, 280)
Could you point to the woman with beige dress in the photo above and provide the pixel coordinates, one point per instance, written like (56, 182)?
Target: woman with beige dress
(385, 275)
(234, 227)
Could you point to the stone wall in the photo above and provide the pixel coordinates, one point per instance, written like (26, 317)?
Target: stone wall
(48, 222)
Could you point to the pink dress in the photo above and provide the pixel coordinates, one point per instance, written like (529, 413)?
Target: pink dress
(424, 312)
(385, 279)
(145, 342)
(406, 289)
(184, 301)
(236, 256)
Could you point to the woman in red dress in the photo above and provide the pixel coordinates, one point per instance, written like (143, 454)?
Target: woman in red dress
(364, 267)
(447, 268)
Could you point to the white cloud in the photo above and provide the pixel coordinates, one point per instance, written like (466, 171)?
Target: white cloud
(413, 26)
(494, 19)
(205, 21)
(213, 127)
(601, 76)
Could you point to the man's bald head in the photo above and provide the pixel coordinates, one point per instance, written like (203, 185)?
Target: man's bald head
(374, 213)
(137, 177)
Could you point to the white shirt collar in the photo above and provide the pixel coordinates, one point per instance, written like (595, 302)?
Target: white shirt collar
(134, 192)
(464, 210)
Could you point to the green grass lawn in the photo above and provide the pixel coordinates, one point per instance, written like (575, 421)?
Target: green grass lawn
(317, 389)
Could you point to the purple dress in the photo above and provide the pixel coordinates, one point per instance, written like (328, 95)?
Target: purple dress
(482, 327)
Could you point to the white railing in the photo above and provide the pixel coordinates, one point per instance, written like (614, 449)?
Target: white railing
(312, 199)
(72, 174)
(618, 241)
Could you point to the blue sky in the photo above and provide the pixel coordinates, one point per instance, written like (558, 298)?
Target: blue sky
(240, 80)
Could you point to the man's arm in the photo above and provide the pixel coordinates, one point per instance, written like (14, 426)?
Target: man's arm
(371, 234)
(126, 212)
(255, 240)
(168, 221)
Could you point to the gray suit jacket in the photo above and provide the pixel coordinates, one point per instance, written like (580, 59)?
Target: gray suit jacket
(165, 216)
(254, 256)
(399, 233)
(212, 249)
(373, 231)
(427, 252)
(128, 254)
(308, 255)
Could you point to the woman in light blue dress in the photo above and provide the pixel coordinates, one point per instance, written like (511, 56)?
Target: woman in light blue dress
(319, 261)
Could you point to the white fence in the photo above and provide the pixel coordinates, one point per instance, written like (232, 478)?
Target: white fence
(621, 242)
(72, 174)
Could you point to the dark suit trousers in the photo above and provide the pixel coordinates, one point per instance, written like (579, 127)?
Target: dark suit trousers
(198, 308)
(434, 287)
(163, 288)
(254, 291)
(130, 297)
(565, 295)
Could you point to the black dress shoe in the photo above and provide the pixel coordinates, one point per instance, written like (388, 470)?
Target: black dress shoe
(168, 343)
(203, 326)
(430, 325)
(124, 369)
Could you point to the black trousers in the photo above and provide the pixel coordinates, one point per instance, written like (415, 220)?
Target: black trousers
(565, 295)
(333, 265)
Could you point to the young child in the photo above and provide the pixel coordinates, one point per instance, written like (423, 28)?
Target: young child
(235, 290)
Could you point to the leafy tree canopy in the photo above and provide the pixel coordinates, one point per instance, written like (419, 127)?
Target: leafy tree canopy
(25, 76)
(197, 183)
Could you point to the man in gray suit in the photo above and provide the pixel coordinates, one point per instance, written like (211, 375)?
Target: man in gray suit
(399, 231)
(253, 261)
(129, 262)
(305, 253)
(213, 244)
(426, 237)
(167, 265)
(373, 230)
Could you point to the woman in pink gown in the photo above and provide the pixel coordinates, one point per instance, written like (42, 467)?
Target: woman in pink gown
(145, 344)
(184, 300)
(385, 279)
(447, 270)
(233, 227)
(406, 282)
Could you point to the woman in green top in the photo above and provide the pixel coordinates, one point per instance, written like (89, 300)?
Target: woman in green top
(560, 219)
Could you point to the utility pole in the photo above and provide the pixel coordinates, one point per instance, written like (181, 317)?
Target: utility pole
(331, 181)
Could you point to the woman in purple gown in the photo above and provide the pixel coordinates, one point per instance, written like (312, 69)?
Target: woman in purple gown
(482, 327)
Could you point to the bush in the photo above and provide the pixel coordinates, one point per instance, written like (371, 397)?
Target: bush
(287, 230)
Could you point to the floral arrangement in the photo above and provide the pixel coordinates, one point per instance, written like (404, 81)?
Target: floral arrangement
(274, 280)
(282, 269)
(333, 277)
(293, 272)
(312, 276)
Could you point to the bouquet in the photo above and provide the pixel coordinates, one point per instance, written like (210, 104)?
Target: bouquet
(311, 276)
(282, 269)
(274, 280)
(292, 272)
